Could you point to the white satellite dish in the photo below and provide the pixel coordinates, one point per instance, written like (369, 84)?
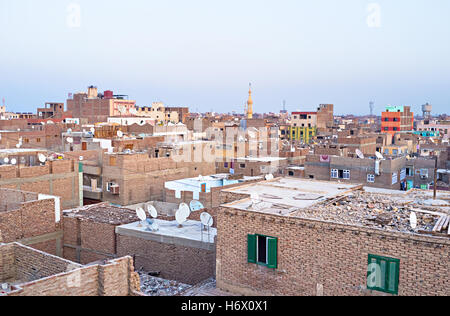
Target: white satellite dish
(185, 210)
(154, 227)
(359, 154)
(6, 160)
(19, 145)
(255, 197)
(42, 158)
(180, 217)
(81, 158)
(14, 161)
(69, 131)
(379, 155)
(120, 134)
(269, 177)
(196, 206)
(413, 220)
(141, 214)
(152, 211)
(92, 130)
(70, 140)
(206, 219)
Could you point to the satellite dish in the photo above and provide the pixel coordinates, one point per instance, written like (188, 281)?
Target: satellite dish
(69, 131)
(152, 211)
(255, 198)
(42, 158)
(50, 122)
(70, 140)
(185, 210)
(6, 160)
(120, 134)
(379, 155)
(206, 219)
(359, 154)
(196, 206)
(14, 161)
(269, 177)
(92, 130)
(141, 214)
(180, 218)
(155, 227)
(413, 220)
(81, 158)
(19, 145)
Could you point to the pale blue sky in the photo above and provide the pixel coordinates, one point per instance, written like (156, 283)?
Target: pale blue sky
(203, 53)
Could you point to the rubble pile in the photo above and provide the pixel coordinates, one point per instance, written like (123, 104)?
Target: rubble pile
(375, 210)
(154, 286)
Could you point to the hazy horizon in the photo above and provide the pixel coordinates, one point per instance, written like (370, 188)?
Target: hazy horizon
(202, 54)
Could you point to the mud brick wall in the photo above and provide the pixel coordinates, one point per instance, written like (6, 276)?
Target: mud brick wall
(312, 253)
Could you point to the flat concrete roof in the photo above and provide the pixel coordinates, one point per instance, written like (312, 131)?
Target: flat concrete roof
(285, 193)
(189, 235)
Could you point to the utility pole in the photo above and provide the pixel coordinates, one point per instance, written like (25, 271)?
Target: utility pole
(435, 176)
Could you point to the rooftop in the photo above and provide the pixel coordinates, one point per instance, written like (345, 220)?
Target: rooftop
(347, 204)
(103, 213)
(190, 234)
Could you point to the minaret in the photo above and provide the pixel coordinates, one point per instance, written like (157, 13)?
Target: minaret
(250, 104)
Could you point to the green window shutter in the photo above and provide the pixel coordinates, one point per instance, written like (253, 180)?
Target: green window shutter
(383, 274)
(251, 248)
(272, 253)
(80, 167)
(393, 277)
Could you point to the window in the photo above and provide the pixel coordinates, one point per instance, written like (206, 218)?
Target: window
(291, 173)
(370, 178)
(242, 166)
(347, 174)
(383, 274)
(334, 174)
(225, 164)
(38, 140)
(263, 250)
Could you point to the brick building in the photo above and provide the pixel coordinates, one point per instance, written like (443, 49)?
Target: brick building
(139, 177)
(97, 107)
(300, 237)
(58, 177)
(89, 232)
(388, 173)
(185, 254)
(31, 219)
(367, 145)
(28, 272)
(397, 119)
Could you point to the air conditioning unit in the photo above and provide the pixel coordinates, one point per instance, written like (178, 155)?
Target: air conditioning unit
(114, 189)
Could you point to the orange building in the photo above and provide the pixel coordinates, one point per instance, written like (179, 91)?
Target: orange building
(397, 119)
